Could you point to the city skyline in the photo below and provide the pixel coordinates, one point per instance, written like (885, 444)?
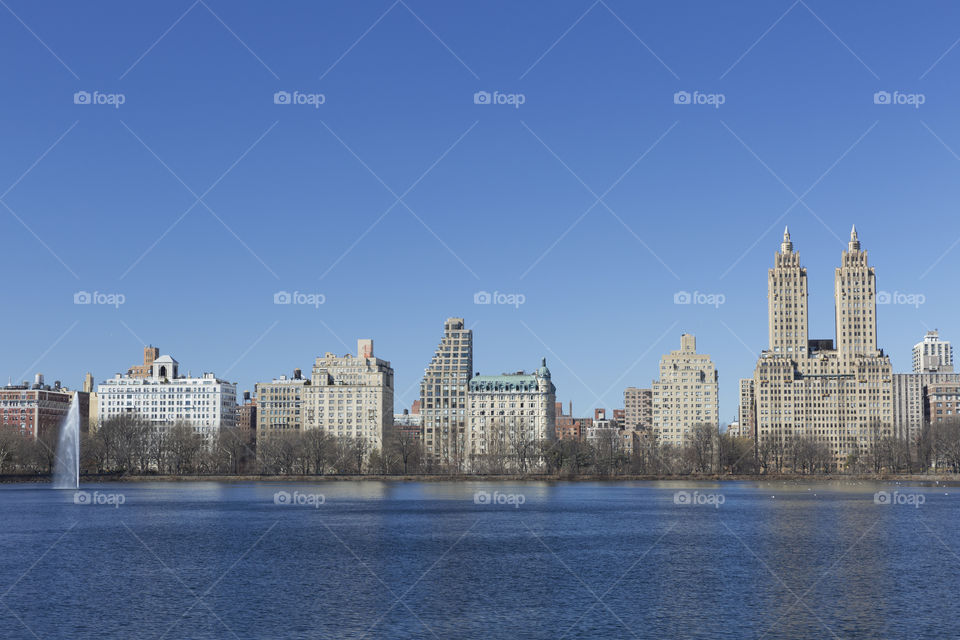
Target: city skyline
(399, 406)
(570, 204)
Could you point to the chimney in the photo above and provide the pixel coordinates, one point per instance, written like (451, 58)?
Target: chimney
(297, 374)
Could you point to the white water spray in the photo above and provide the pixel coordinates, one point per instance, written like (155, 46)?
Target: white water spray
(66, 469)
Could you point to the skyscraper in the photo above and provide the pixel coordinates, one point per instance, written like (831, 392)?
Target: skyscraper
(804, 388)
(685, 395)
(443, 396)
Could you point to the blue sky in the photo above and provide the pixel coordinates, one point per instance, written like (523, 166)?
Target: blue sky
(399, 198)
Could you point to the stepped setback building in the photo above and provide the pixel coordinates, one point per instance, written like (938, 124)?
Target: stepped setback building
(443, 396)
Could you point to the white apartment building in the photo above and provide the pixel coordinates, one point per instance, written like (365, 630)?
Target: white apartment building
(510, 411)
(164, 397)
(933, 355)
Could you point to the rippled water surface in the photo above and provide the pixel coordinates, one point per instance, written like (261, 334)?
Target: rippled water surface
(480, 560)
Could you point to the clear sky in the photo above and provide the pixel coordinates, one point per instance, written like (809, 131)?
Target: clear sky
(400, 197)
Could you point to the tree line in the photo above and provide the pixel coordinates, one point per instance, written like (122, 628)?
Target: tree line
(128, 445)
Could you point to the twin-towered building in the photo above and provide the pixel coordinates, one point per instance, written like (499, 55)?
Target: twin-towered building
(801, 388)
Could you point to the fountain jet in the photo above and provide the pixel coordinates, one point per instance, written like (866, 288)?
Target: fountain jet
(66, 470)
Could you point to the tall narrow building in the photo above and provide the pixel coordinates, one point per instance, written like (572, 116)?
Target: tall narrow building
(842, 396)
(443, 396)
(787, 301)
(855, 288)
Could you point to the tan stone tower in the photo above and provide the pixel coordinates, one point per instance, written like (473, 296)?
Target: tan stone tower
(807, 389)
(787, 301)
(855, 290)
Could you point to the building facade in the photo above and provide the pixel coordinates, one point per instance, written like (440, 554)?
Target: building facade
(943, 403)
(36, 411)
(910, 392)
(150, 353)
(638, 408)
(247, 413)
(165, 397)
(510, 415)
(351, 396)
(804, 388)
(746, 413)
(281, 405)
(443, 396)
(685, 395)
(933, 355)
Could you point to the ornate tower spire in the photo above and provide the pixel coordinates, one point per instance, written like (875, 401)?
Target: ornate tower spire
(786, 246)
(854, 244)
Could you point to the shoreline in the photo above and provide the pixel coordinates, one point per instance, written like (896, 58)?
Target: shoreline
(953, 479)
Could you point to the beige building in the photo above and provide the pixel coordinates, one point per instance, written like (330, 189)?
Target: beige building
(348, 396)
(806, 388)
(443, 396)
(351, 396)
(685, 395)
(637, 408)
(281, 405)
(910, 400)
(510, 415)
